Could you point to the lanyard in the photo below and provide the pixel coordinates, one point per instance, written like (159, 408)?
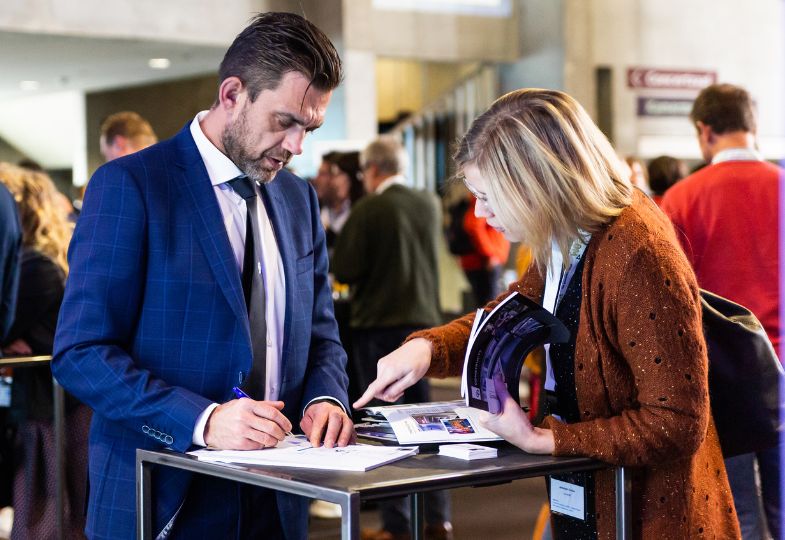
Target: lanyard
(557, 279)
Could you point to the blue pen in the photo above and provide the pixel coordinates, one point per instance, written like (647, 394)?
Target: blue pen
(238, 393)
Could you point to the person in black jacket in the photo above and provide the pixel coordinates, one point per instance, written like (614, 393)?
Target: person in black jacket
(10, 242)
(46, 232)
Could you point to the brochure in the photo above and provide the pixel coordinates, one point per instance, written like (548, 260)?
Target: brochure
(296, 451)
(498, 345)
(420, 423)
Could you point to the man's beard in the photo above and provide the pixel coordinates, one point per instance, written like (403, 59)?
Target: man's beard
(234, 137)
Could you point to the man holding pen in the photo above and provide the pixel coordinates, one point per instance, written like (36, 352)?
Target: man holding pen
(199, 266)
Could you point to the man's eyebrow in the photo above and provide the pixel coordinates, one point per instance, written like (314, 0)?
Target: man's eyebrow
(297, 120)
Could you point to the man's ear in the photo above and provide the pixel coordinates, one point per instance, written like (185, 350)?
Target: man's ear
(705, 133)
(120, 144)
(229, 93)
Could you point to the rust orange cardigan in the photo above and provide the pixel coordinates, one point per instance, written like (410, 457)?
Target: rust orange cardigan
(641, 379)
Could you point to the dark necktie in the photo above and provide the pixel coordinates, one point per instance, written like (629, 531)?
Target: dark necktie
(253, 288)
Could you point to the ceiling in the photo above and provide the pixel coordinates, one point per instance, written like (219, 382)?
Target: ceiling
(46, 123)
(61, 63)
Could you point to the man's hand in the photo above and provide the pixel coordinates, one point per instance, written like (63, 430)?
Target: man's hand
(398, 371)
(328, 418)
(246, 424)
(514, 426)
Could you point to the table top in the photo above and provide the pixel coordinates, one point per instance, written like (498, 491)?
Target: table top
(423, 472)
(24, 361)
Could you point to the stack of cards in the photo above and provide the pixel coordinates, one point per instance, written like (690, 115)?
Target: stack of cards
(467, 451)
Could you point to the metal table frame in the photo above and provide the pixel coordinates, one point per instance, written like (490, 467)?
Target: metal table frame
(347, 489)
(59, 428)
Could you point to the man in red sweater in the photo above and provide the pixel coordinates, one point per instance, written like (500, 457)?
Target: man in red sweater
(727, 218)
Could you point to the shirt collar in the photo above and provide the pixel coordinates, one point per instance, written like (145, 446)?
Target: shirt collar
(737, 154)
(219, 167)
(396, 179)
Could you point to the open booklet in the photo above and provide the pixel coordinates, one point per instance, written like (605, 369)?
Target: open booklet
(296, 451)
(421, 423)
(498, 344)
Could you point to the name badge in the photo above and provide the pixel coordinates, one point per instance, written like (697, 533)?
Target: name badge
(567, 499)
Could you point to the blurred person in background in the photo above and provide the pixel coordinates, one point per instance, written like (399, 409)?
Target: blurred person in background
(664, 171)
(124, 133)
(485, 264)
(482, 251)
(10, 244)
(46, 233)
(323, 174)
(727, 216)
(343, 188)
(630, 387)
(387, 254)
(638, 174)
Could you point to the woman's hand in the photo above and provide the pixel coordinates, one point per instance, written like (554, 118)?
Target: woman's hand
(18, 347)
(398, 371)
(513, 425)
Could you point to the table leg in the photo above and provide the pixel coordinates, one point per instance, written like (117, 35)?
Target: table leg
(350, 517)
(623, 511)
(144, 526)
(58, 397)
(416, 501)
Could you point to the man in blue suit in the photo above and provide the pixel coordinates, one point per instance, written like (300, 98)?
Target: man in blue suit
(187, 279)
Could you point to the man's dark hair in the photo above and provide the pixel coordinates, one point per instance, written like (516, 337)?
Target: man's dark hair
(725, 108)
(330, 156)
(664, 171)
(274, 44)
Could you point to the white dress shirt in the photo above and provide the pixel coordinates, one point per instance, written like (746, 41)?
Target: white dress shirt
(737, 154)
(220, 169)
(388, 182)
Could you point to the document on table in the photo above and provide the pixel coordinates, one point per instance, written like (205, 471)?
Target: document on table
(296, 451)
(437, 422)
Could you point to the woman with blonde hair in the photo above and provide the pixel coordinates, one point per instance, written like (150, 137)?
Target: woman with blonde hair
(630, 387)
(46, 233)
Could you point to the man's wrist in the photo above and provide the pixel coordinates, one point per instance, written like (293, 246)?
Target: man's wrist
(320, 399)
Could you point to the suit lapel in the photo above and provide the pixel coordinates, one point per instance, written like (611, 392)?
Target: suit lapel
(278, 213)
(198, 195)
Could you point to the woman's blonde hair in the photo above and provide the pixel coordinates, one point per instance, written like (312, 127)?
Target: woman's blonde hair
(550, 171)
(45, 226)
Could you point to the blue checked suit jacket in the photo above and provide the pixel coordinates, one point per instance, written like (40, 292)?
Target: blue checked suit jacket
(153, 327)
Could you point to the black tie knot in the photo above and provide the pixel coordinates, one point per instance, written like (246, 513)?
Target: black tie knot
(243, 186)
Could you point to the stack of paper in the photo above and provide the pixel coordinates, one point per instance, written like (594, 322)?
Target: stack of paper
(467, 451)
(296, 451)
